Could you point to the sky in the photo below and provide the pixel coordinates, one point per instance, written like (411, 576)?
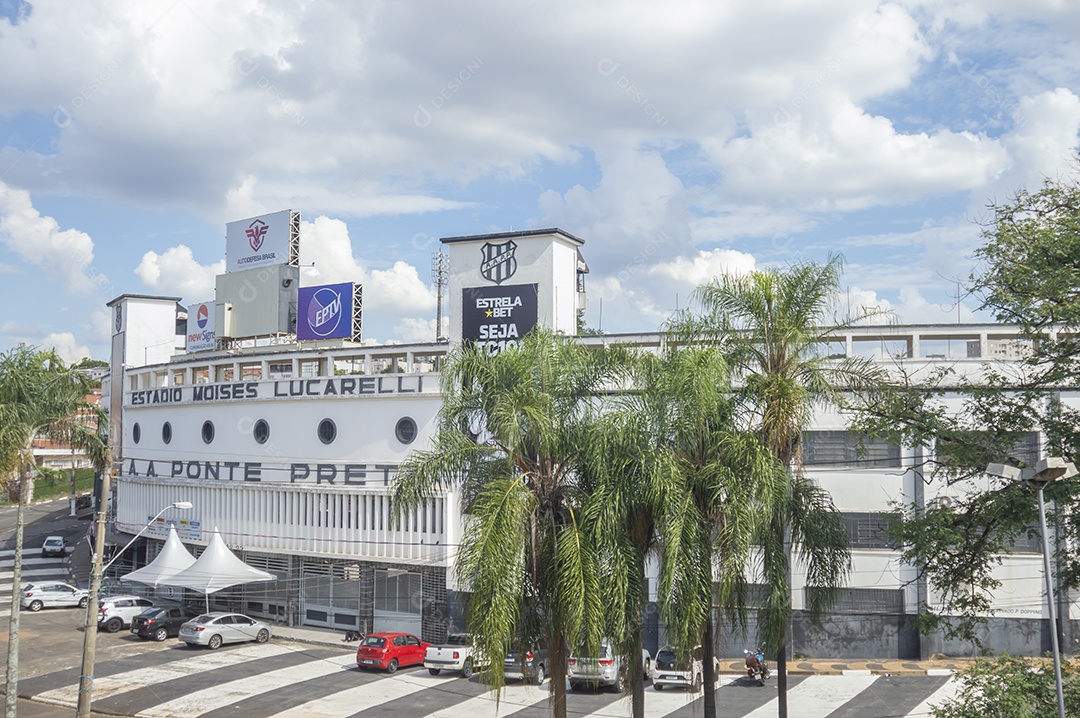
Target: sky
(680, 140)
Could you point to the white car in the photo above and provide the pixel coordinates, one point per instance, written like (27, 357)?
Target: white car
(605, 669)
(48, 594)
(116, 612)
(53, 546)
(671, 670)
(213, 629)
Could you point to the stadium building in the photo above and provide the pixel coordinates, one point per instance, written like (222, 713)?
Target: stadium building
(263, 408)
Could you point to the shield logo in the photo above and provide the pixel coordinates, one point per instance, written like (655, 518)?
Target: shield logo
(256, 232)
(499, 262)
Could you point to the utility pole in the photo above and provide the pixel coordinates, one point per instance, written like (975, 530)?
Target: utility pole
(440, 274)
(12, 689)
(86, 676)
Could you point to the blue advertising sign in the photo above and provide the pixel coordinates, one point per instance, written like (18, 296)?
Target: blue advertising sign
(325, 312)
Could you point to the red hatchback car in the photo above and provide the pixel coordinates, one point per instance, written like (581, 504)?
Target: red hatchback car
(389, 651)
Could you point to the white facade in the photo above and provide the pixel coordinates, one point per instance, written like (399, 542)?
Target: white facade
(290, 452)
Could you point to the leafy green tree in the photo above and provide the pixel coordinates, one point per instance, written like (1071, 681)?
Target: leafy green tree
(1028, 275)
(774, 326)
(40, 397)
(1010, 687)
(511, 439)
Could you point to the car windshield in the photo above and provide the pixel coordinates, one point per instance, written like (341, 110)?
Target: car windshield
(665, 659)
(374, 641)
(53, 542)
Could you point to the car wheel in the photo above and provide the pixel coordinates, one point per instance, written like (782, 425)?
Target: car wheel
(36, 606)
(697, 682)
(436, 671)
(262, 636)
(84, 601)
(161, 634)
(574, 686)
(619, 684)
(648, 668)
(214, 642)
(539, 676)
(392, 666)
(113, 625)
(657, 687)
(466, 669)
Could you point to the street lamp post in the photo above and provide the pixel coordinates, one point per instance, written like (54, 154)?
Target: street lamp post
(86, 677)
(1049, 469)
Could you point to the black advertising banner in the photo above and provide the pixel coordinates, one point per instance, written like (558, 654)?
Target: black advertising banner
(497, 317)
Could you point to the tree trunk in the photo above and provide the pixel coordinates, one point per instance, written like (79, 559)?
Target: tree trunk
(708, 650)
(71, 506)
(16, 589)
(557, 656)
(634, 665)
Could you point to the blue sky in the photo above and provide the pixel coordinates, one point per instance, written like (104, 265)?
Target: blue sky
(707, 137)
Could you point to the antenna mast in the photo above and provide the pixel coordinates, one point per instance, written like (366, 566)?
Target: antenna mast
(440, 273)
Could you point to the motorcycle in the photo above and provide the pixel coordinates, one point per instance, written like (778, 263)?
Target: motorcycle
(757, 668)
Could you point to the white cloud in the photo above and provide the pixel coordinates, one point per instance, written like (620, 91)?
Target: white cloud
(415, 330)
(396, 291)
(66, 346)
(64, 254)
(175, 271)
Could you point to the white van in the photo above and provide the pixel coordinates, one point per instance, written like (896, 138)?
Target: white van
(672, 670)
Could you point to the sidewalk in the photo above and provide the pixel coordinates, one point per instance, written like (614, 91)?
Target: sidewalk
(818, 667)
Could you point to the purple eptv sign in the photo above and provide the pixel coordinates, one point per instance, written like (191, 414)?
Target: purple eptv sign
(325, 312)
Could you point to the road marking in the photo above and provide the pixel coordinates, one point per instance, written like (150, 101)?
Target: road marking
(46, 573)
(514, 698)
(818, 698)
(10, 552)
(945, 693)
(120, 683)
(354, 700)
(223, 694)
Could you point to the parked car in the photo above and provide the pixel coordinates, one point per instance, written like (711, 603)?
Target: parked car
(160, 622)
(685, 671)
(116, 612)
(457, 654)
(388, 651)
(213, 629)
(48, 594)
(529, 665)
(53, 546)
(606, 668)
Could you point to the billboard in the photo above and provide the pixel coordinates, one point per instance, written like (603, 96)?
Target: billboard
(498, 317)
(329, 311)
(261, 241)
(200, 327)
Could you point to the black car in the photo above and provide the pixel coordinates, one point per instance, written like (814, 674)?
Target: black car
(160, 622)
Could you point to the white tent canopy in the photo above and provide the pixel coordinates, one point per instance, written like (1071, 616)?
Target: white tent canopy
(171, 561)
(217, 568)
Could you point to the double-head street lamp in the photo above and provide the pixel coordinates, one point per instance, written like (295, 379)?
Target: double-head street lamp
(86, 677)
(1053, 468)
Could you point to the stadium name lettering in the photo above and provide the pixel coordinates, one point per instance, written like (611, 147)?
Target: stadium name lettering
(337, 386)
(258, 471)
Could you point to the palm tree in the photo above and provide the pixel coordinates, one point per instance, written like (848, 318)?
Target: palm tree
(726, 481)
(39, 398)
(511, 437)
(773, 325)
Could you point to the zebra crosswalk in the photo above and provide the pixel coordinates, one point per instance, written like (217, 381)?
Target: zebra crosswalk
(292, 680)
(34, 568)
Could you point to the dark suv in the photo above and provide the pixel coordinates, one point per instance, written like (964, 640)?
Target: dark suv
(529, 665)
(161, 622)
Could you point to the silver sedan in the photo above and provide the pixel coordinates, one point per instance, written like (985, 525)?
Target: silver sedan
(213, 629)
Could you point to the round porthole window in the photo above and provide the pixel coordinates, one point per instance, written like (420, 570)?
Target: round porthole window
(261, 431)
(327, 431)
(405, 431)
(208, 431)
(166, 432)
(136, 433)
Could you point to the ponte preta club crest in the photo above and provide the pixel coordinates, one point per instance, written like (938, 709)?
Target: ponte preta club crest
(499, 262)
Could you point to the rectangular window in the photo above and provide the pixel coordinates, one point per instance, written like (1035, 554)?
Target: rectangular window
(972, 448)
(866, 600)
(280, 371)
(869, 530)
(845, 449)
